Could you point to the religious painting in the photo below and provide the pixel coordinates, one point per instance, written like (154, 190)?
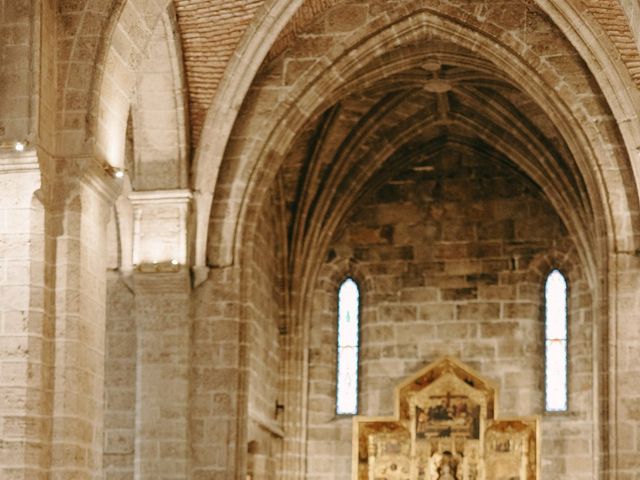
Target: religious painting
(444, 429)
(447, 416)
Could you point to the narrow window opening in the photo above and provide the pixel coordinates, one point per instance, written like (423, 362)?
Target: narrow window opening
(348, 348)
(555, 295)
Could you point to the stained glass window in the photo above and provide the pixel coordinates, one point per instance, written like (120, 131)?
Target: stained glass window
(555, 295)
(348, 345)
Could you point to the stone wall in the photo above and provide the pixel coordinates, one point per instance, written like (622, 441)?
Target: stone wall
(264, 317)
(452, 262)
(236, 361)
(120, 381)
(192, 382)
(24, 327)
(16, 101)
(215, 364)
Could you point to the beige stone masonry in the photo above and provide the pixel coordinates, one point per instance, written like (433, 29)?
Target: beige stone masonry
(75, 303)
(23, 365)
(158, 114)
(53, 314)
(624, 337)
(17, 72)
(271, 148)
(160, 226)
(162, 374)
(217, 394)
(120, 380)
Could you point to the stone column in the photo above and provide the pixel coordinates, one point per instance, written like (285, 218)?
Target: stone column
(79, 195)
(296, 398)
(218, 394)
(162, 374)
(23, 370)
(624, 367)
(53, 312)
(162, 289)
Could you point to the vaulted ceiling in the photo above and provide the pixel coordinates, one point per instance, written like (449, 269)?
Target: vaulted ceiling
(451, 101)
(211, 30)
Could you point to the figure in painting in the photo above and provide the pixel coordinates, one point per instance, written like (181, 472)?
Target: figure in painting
(444, 466)
(503, 446)
(440, 412)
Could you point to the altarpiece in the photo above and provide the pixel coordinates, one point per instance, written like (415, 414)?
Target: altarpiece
(445, 428)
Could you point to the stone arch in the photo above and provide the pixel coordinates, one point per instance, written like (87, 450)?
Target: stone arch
(499, 144)
(119, 87)
(244, 176)
(562, 257)
(226, 233)
(140, 96)
(341, 270)
(159, 111)
(222, 114)
(583, 34)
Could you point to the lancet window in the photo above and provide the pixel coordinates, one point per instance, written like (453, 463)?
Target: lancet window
(348, 348)
(555, 298)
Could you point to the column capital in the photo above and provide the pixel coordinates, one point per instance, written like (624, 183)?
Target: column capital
(160, 228)
(64, 177)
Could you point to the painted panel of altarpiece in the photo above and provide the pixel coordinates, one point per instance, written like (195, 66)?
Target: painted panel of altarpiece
(444, 429)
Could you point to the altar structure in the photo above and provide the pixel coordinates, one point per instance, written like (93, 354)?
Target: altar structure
(445, 427)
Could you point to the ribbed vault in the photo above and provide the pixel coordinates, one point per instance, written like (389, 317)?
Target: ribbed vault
(446, 98)
(557, 116)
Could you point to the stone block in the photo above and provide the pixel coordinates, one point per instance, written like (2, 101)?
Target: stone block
(478, 311)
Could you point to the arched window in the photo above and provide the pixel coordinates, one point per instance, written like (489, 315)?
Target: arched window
(555, 324)
(348, 346)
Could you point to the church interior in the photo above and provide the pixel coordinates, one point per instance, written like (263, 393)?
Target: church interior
(319, 239)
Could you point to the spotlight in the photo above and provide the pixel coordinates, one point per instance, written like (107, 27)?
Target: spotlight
(14, 145)
(174, 262)
(119, 173)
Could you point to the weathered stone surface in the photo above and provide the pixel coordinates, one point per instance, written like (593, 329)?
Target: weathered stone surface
(454, 315)
(446, 154)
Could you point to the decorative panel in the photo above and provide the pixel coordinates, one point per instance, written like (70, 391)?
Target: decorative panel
(444, 429)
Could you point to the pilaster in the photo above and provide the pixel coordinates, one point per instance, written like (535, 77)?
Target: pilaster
(218, 395)
(623, 368)
(78, 195)
(162, 374)
(160, 280)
